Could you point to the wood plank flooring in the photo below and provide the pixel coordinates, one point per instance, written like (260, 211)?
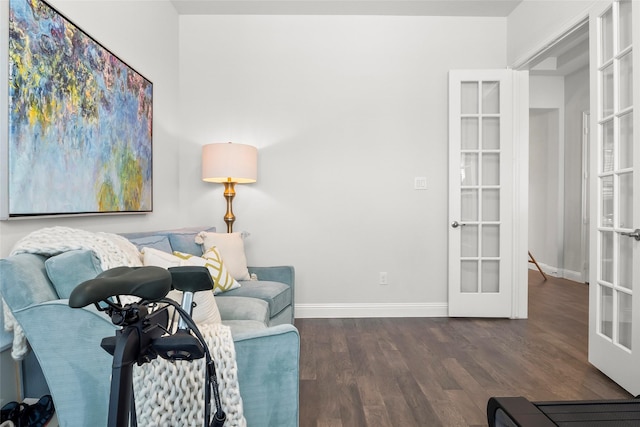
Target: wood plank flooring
(433, 372)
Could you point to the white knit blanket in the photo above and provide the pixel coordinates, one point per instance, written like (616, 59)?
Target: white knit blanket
(112, 251)
(162, 401)
(167, 392)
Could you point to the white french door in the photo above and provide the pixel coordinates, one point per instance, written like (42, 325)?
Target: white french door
(482, 183)
(614, 306)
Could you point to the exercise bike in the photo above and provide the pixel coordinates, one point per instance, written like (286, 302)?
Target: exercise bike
(146, 329)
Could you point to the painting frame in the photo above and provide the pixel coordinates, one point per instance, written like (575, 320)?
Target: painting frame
(79, 121)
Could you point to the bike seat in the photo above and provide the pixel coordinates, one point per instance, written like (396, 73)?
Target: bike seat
(149, 283)
(191, 278)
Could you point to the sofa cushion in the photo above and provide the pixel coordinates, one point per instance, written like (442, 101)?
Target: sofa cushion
(277, 295)
(24, 281)
(243, 326)
(181, 239)
(185, 241)
(68, 269)
(242, 308)
(157, 241)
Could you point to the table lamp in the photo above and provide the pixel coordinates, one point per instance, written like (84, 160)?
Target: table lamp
(229, 164)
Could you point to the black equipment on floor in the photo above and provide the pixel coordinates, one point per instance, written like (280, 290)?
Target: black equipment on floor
(520, 412)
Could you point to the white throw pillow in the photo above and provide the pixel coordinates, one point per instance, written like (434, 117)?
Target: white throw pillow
(158, 258)
(222, 279)
(231, 248)
(206, 310)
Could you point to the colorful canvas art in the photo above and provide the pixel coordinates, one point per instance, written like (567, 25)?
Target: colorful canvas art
(80, 121)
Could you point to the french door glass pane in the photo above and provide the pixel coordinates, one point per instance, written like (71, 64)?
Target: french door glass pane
(469, 97)
(607, 91)
(624, 319)
(625, 262)
(607, 146)
(606, 260)
(607, 35)
(490, 240)
(625, 213)
(490, 97)
(469, 241)
(490, 133)
(625, 24)
(469, 276)
(616, 174)
(469, 132)
(480, 164)
(490, 276)
(606, 311)
(625, 150)
(491, 169)
(606, 195)
(469, 169)
(490, 205)
(469, 205)
(625, 81)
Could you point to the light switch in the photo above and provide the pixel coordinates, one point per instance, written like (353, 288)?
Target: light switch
(420, 183)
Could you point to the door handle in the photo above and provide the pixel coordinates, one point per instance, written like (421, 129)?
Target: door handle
(635, 234)
(456, 224)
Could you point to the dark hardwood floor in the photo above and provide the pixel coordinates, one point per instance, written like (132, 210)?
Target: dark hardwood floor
(433, 372)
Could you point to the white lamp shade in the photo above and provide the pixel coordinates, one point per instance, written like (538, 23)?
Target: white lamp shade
(228, 162)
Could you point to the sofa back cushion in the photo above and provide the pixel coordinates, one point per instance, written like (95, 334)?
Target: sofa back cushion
(157, 241)
(24, 281)
(179, 239)
(68, 269)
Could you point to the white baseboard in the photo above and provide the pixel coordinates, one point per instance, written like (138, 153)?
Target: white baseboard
(558, 272)
(573, 275)
(306, 311)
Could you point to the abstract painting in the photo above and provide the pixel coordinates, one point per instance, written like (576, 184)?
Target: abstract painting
(80, 121)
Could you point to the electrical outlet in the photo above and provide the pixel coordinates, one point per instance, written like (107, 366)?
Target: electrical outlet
(384, 280)
(420, 183)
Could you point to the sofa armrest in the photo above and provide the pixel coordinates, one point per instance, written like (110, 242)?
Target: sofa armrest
(269, 375)
(284, 274)
(66, 342)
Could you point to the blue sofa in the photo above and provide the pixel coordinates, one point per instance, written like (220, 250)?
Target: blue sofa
(66, 341)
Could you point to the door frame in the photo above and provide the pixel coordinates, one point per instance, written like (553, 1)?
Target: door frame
(521, 161)
(520, 268)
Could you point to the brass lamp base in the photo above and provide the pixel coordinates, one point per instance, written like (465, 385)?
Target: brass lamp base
(229, 194)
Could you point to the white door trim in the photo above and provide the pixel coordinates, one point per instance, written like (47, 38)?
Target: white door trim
(520, 291)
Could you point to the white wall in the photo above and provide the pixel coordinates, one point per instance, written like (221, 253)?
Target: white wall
(555, 174)
(145, 35)
(544, 208)
(546, 153)
(576, 102)
(345, 112)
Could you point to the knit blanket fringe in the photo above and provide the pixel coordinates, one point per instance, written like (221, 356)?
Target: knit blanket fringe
(172, 393)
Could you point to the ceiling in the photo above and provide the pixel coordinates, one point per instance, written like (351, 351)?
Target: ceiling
(498, 8)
